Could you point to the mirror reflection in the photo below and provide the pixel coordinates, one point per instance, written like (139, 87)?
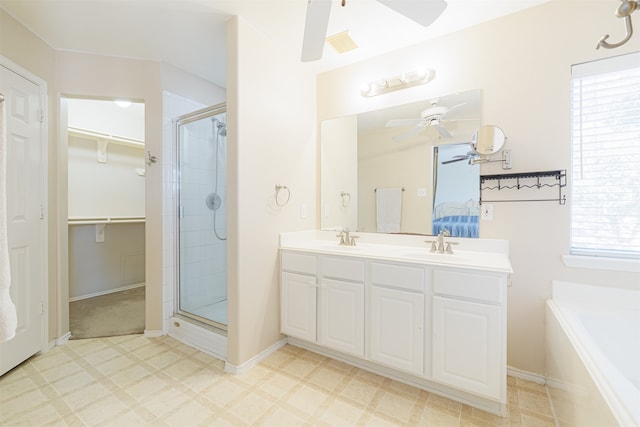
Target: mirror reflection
(377, 172)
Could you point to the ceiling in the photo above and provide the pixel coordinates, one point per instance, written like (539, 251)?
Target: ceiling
(191, 35)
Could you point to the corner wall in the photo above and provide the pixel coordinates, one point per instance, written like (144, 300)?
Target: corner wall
(522, 64)
(271, 140)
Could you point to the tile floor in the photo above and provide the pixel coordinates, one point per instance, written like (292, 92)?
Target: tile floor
(137, 381)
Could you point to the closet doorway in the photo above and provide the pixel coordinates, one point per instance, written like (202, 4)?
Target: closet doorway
(106, 217)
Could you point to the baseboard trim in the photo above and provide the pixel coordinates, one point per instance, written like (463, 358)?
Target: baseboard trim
(241, 369)
(152, 333)
(107, 292)
(58, 341)
(525, 375)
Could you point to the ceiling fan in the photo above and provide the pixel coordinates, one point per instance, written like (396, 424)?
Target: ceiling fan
(424, 12)
(432, 119)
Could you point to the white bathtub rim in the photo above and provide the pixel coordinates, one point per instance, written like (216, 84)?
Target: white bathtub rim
(623, 409)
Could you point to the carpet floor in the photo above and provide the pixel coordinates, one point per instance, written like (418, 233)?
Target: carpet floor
(118, 313)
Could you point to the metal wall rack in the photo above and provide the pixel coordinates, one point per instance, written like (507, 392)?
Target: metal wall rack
(525, 180)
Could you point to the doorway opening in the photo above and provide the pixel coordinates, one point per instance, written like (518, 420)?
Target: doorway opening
(106, 217)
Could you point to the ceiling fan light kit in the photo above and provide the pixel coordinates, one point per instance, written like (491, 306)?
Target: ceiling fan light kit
(406, 80)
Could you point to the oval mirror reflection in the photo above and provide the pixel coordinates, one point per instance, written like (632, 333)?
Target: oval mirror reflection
(488, 139)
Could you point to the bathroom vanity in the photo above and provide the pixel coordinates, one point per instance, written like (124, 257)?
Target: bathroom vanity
(389, 305)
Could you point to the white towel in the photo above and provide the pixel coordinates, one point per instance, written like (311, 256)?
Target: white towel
(8, 318)
(388, 209)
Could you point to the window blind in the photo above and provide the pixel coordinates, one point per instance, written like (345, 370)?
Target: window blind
(605, 184)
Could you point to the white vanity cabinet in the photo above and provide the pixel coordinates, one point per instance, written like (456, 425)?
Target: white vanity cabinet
(298, 295)
(437, 321)
(469, 331)
(397, 318)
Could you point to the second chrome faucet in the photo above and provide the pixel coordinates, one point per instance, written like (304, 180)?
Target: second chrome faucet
(346, 239)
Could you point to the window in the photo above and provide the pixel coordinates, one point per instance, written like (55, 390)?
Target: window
(605, 184)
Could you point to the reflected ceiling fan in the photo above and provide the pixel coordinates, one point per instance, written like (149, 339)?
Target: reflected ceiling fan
(471, 156)
(424, 12)
(432, 118)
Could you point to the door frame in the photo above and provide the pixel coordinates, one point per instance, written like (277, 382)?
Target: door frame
(45, 223)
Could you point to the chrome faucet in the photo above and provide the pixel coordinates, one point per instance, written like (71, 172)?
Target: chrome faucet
(439, 245)
(346, 239)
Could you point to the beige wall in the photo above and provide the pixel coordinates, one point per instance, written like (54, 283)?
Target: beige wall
(340, 173)
(409, 166)
(271, 140)
(522, 64)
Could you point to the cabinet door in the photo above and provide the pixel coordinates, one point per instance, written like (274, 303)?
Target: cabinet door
(397, 329)
(466, 345)
(298, 306)
(341, 319)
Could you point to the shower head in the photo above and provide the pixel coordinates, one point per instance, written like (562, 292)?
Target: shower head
(221, 127)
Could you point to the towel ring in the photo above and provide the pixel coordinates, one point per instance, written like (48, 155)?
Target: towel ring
(280, 188)
(346, 198)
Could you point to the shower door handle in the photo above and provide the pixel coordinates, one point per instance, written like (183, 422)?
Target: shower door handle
(181, 212)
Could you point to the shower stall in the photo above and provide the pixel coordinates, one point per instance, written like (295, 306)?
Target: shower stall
(201, 143)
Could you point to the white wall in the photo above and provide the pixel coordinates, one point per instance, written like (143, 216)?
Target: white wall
(522, 65)
(271, 140)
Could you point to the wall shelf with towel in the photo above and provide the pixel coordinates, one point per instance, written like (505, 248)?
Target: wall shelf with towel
(526, 180)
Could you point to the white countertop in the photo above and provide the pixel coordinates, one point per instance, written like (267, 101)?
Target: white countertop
(477, 254)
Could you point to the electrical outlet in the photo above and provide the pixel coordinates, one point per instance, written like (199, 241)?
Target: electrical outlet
(486, 212)
(507, 159)
(303, 210)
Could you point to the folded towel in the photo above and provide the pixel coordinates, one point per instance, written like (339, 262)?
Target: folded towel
(388, 209)
(8, 318)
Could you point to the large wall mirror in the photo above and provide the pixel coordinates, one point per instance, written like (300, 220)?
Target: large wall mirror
(385, 170)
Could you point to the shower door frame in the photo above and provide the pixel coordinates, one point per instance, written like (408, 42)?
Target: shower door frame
(177, 122)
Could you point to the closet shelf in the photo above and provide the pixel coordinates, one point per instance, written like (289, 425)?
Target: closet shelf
(90, 220)
(525, 180)
(122, 140)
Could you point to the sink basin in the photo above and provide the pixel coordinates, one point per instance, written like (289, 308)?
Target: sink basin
(434, 256)
(337, 247)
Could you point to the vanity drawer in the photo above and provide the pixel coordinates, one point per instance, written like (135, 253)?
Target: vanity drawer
(397, 276)
(475, 286)
(341, 268)
(299, 263)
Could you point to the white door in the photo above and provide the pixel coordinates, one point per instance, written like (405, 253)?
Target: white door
(397, 329)
(25, 209)
(298, 306)
(341, 318)
(466, 345)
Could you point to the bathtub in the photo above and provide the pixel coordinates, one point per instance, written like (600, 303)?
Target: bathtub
(593, 355)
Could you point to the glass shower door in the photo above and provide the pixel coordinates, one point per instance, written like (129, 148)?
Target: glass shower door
(202, 216)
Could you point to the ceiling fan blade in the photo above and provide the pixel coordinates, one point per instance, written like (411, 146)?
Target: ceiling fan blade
(446, 162)
(408, 134)
(443, 132)
(446, 114)
(402, 122)
(315, 29)
(424, 12)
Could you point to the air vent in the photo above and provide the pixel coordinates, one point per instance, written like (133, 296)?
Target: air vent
(342, 42)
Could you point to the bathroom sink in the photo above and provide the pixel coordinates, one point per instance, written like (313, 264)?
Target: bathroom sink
(337, 247)
(435, 256)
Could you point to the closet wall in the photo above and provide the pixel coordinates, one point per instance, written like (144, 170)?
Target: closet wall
(106, 197)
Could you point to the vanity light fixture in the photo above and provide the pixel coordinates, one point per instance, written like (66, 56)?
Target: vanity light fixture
(416, 77)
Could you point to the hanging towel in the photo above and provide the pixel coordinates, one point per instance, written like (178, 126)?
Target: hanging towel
(388, 209)
(8, 318)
